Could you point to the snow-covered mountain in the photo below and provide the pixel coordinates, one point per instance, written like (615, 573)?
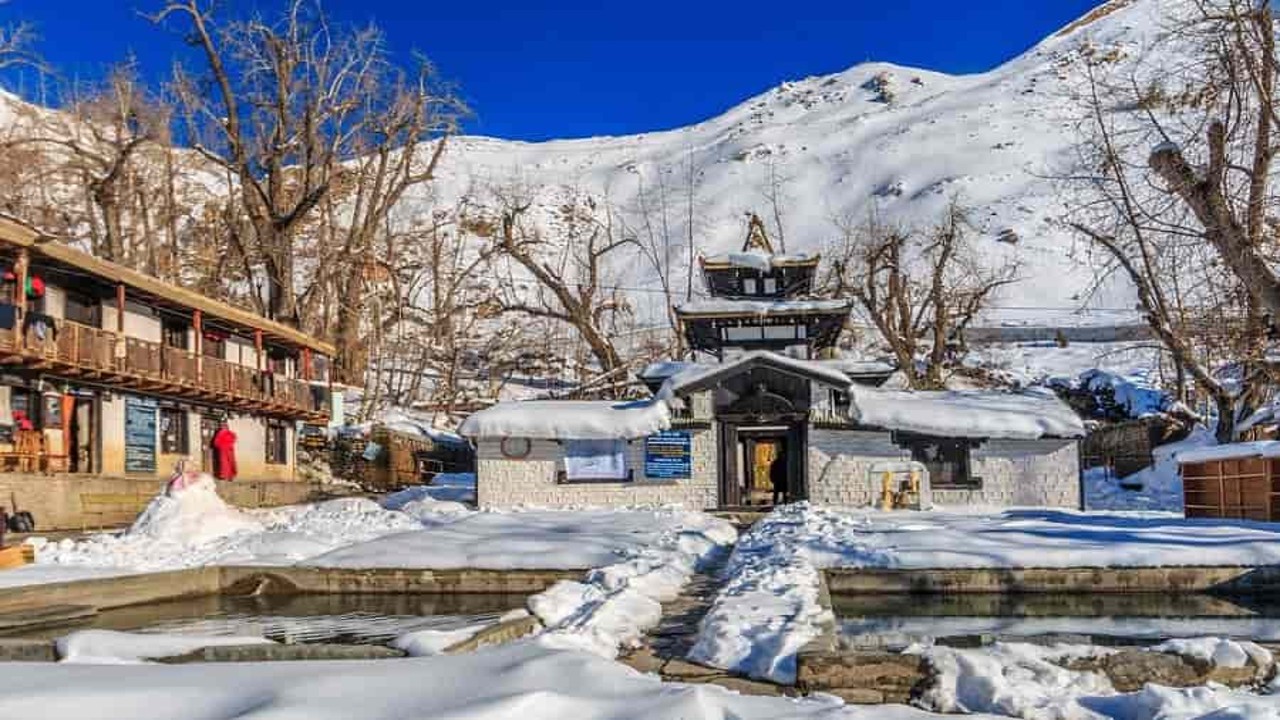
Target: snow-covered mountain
(900, 140)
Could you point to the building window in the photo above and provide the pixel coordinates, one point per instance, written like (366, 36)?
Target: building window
(595, 461)
(946, 459)
(277, 443)
(175, 334)
(748, 286)
(82, 309)
(214, 345)
(770, 286)
(174, 434)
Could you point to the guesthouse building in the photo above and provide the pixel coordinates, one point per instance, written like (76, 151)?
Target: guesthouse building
(109, 378)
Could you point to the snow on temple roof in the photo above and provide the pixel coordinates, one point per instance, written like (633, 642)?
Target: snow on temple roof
(1231, 451)
(568, 420)
(664, 369)
(758, 260)
(762, 307)
(852, 367)
(695, 375)
(967, 413)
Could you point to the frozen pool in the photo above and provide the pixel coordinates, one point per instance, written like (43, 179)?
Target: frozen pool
(319, 618)
(896, 621)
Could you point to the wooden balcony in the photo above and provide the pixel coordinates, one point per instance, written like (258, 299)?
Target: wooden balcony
(103, 357)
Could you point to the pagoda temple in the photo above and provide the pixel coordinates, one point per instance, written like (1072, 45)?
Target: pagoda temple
(762, 300)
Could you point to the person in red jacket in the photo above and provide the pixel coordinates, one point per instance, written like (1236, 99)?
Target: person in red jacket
(224, 453)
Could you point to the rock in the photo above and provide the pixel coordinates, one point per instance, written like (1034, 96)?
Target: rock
(1129, 670)
(263, 652)
(858, 696)
(21, 650)
(745, 686)
(893, 674)
(503, 632)
(690, 672)
(644, 660)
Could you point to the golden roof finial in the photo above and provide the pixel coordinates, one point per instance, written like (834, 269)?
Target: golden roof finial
(757, 237)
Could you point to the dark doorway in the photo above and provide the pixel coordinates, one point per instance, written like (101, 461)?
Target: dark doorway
(80, 438)
(208, 426)
(761, 465)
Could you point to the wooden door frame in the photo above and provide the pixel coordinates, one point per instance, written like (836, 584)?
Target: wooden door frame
(794, 435)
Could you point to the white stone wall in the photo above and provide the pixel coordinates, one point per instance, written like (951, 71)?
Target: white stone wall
(505, 482)
(1013, 472)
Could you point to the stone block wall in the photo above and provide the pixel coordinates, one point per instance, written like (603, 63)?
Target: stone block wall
(1014, 472)
(506, 482)
(56, 500)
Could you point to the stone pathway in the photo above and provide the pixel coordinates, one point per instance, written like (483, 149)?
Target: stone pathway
(666, 647)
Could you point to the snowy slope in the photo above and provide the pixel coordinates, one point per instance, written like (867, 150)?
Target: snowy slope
(991, 138)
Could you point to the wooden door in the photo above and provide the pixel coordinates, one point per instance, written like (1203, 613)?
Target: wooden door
(208, 426)
(730, 489)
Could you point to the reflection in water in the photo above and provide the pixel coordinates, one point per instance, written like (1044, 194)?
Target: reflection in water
(895, 621)
(331, 618)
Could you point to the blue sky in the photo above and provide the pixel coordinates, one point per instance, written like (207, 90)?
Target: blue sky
(534, 70)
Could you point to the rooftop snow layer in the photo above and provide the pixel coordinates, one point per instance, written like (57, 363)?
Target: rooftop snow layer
(967, 413)
(568, 420)
(757, 259)
(762, 307)
(695, 374)
(1231, 451)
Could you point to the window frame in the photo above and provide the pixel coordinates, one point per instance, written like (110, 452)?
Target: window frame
(951, 451)
(183, 446)
(277, 439)
(562, 472)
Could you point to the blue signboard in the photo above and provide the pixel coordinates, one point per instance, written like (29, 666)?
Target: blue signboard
(139, 435)
(667, 455)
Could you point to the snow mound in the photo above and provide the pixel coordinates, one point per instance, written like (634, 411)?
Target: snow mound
(191, 512)
(113, 647)
(1221, 652)
(1014, 679)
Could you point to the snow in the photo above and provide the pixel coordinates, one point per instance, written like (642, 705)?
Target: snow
(191, 512)
(568, 419)
(421, 643)
(447, 493)
(1222, 652)
(112, 647)
(693, 375)
(967, 413)
(1026, 681)
(1161, 483)
(649, 548)
(758, 259)
(529, 539)
(1231, 451)
(1014, 679)
(769, 607)
(525, 680)
(762, 308)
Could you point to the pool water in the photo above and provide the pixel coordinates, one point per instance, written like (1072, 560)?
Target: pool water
(893, 622)
(361, 619)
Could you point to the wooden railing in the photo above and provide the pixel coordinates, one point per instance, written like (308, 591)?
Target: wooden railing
(85, 349)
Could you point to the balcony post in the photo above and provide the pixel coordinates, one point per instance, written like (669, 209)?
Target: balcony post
(119, 353)
(197, 326)
(257, 347)
(21, 270)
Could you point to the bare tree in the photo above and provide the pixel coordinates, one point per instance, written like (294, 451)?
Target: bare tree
(284, 104)
(920, 289)
(570, 272)
(1189, 226)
